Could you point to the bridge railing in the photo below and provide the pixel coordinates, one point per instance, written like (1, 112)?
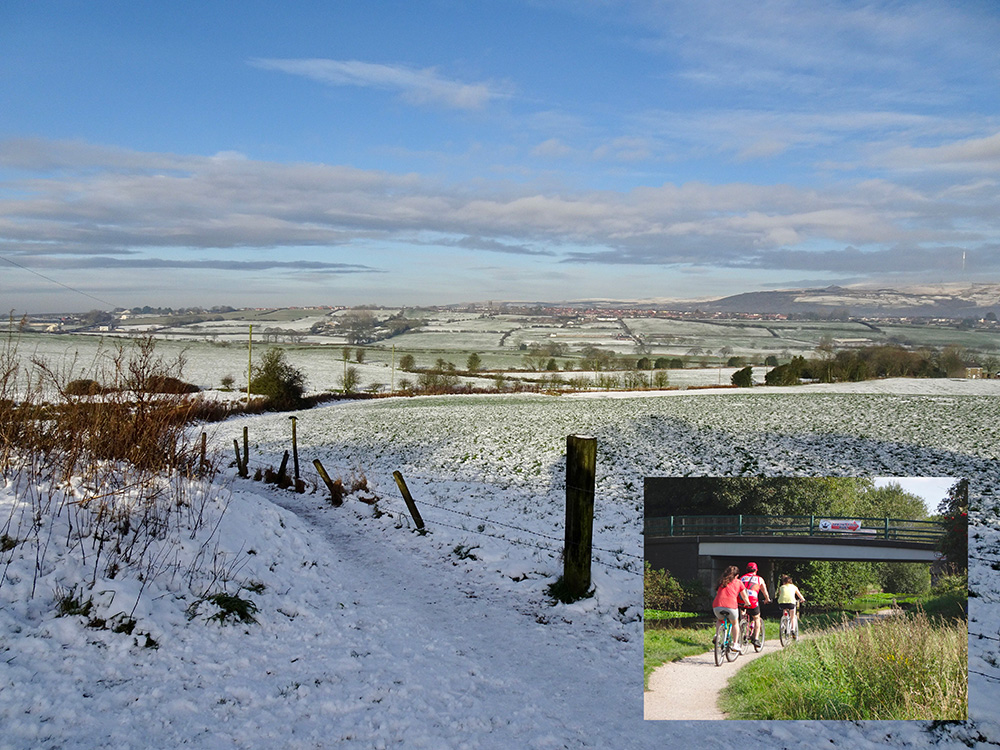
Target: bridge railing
(894, 529)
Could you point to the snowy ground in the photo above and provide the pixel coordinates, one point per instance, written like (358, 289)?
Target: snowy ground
(372, 635)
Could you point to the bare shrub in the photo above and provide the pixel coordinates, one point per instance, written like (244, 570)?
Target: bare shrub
(114, 478)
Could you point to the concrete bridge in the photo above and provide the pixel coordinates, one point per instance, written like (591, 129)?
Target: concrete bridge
(701, 547)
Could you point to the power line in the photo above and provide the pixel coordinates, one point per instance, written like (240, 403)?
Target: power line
(58, 283)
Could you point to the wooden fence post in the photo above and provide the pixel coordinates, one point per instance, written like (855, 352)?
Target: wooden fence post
(581, 472)
(246, 448)
(241, 466)
(408, 499)
(336, 496)
(295, 449)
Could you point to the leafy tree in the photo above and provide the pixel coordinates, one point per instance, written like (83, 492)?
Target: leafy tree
(954, 510)
(770, 361)
(743, 378)
(407, 363)
(359, 355)
(787, 374)
(735, 362)
(660, 590)
(275, 378)
(661, 363)
(891, 501)
(832, 584)
(643, 363)
(473, 363)
(760, 496)
(904, 578)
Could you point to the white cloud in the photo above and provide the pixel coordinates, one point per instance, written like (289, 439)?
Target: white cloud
(417, 85)
(553, 148)
(973, 155)
(142, 202)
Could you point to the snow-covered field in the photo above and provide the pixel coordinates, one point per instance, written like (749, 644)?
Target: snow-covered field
(206, 364)
(371, 635)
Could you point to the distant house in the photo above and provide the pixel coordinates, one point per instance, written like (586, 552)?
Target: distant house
(974, 371)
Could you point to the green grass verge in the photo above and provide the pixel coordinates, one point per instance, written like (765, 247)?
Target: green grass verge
(912, 667)
(661, 646)
(671, 644)
(659, 614)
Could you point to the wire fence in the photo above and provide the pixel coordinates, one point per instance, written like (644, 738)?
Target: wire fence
(539, 541)
(531, 532)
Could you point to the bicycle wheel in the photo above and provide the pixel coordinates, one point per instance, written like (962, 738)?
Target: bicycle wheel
(783, 634)
(734, 647)
(759, 638)
(744, 633)
(720, 642)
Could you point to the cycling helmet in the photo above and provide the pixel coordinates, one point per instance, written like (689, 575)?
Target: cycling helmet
(752, 567)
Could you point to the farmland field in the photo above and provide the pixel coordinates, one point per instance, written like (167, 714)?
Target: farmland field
(501, 334)
(365, 627)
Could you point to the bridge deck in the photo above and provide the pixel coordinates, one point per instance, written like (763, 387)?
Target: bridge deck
(828, 527)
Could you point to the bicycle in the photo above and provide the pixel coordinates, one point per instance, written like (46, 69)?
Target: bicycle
(785, 632)
(748, 632)
(724, 642)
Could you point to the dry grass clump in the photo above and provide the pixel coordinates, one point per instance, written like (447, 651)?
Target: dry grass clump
(114, 466)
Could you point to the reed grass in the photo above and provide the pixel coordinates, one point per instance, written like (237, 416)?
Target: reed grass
(903, 667)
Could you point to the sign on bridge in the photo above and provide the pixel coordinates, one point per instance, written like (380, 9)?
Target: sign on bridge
(851, 527)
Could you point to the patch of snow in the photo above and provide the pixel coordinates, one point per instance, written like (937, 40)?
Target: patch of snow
(370, 634)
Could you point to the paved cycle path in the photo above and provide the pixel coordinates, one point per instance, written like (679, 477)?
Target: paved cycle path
(689, 688)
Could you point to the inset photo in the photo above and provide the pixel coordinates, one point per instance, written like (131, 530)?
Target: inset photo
(806, 598)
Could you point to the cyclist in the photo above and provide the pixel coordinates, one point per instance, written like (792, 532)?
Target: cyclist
(788, 598)
(756, 588)
(729, 593)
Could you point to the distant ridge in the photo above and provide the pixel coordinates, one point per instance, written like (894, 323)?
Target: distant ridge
(928, 301)
(951, 301)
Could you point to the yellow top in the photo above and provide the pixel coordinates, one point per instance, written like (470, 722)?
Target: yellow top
(786, 593)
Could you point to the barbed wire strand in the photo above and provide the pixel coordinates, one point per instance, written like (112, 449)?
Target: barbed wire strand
(983, 674)
(521, 528)
(401, 515)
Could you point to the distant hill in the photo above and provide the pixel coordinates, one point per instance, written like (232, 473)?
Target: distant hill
(944, 301)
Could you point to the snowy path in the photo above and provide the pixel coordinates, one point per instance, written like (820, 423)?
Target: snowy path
(424, 621)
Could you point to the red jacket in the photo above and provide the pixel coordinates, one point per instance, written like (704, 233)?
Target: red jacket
(728, 596)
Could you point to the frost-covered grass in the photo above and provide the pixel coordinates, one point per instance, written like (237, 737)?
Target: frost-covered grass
(371, 635)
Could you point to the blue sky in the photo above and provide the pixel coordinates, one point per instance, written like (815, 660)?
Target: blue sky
(448, 151)
(932, 490)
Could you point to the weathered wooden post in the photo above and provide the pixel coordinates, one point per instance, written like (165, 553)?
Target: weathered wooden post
(241, 467)
(295, 449)
(408, 499)
(282, 479)
(202, 463)
(336, 496)
(246, 449)
(581, 472)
